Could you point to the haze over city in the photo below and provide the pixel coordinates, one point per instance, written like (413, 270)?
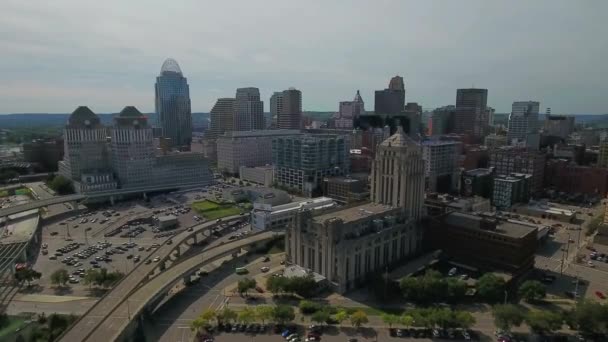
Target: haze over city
(107, 54)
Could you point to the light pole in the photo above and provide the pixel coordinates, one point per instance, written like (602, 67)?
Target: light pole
(506, 296)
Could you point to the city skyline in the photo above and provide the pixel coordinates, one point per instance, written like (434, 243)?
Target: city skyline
(59, 57)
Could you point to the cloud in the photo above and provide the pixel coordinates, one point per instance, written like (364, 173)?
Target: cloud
(108, 53)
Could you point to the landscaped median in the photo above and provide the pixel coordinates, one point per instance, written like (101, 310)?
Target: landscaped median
(213, 210)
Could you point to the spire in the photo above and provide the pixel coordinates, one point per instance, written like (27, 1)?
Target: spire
(358, 97)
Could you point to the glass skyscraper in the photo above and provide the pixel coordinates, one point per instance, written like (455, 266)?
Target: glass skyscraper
(173, 111)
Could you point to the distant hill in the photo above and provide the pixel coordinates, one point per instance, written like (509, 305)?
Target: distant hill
(37, 119)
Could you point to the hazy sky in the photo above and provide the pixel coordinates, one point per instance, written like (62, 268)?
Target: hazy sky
(59, 54)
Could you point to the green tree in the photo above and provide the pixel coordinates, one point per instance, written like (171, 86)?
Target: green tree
(305, 286)
(463, 319)
(320, 316)
(197, 324)
(247, 315)
(276, 285)
(407, 320)
(541, 321)
(490, 287)
(532, 290)
(263, 313)
(307, 307)
(340, 316)
(390, 319)
(507, 315)
(246, 284)
(207, 316)
(283, 314)
(227, 315)
(358, 318)
(62, 185)
(60, 277)
(590, 317)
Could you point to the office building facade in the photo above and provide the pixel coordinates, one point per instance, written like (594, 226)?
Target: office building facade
(511, 189)
(349, 111)
(442, 120)
(173, 110)
(248, 110)
(523, 125)
(392, 99)
(222, 117)
(289, 115)
(471, 116)
(441, 160)
(247, 148)
(492, 141)
(558, 125)
(301, 162)
(477, 182)
(511, 159)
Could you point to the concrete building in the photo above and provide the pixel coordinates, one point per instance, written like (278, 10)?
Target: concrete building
(392, 99)
(472, 115)
(290, 114)
(523, 125)
(441, 164)
(398, 174)
(349, 110)
(486, 242)
(545, 211)
(222, 116)
(167, 222)
(442, 120)
(492, 141)
(602, 157)
(345, 189)
(132, 149)
(477, 182)
(347, 244)
(558, 125)
(45, 153)
(278, 217)
(511, 189)
(510, 159)
(87, 157)
(249, 110)
(173, 105)
(263, 175)
(247, 148)
(302, 161)
(440, 204)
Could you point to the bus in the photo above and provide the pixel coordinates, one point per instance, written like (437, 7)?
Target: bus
(241, 270)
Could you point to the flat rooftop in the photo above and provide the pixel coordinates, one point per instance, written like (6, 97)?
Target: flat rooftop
(509, 228)
(354, 213)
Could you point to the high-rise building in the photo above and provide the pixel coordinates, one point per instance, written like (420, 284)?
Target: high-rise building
(392, 99)
(276, 106)
(413, 113)
(301, 162)
(398, 174)
(523, 125)
(510, 159)
(345, 245)
(441, 158)
(222, 116)
(558, 125)
(173, 105)
(86, 160)
(46, 153)
(132, 148)
(247, 148)
(472, 116)
(442, 120)
(349, 110)
(289, 115)
(249, 110)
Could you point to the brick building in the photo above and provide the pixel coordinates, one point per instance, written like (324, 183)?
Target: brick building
(571, 178)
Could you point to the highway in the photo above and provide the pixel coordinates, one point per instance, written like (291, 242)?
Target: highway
(109, 302)
(118, 320)
(39, 204)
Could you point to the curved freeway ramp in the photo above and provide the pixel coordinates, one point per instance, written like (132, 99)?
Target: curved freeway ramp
(106, 304)
(115, 324)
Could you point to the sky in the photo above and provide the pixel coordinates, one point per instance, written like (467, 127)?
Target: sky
(57, 55)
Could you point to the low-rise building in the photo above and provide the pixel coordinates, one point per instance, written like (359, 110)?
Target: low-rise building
(566, 176)
(166, 222)
(493, 141)
(477, 182)
(545, 211)
(439, 204)
(485, 241)
(345, 189)
(262, 175)
(280, 216)
(346, 245)
(511, 189)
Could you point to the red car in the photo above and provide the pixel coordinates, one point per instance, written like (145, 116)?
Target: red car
(600, 294)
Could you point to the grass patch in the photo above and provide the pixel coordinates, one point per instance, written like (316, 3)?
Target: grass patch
(8, 332)
(3, 193)
(211, 210)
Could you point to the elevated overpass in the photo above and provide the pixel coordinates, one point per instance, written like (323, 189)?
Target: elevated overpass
(140, 274)
(39, 204)
(115, 324)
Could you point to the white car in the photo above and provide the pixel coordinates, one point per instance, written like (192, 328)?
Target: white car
(157, 259)
(590, 264)
(265, 269)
